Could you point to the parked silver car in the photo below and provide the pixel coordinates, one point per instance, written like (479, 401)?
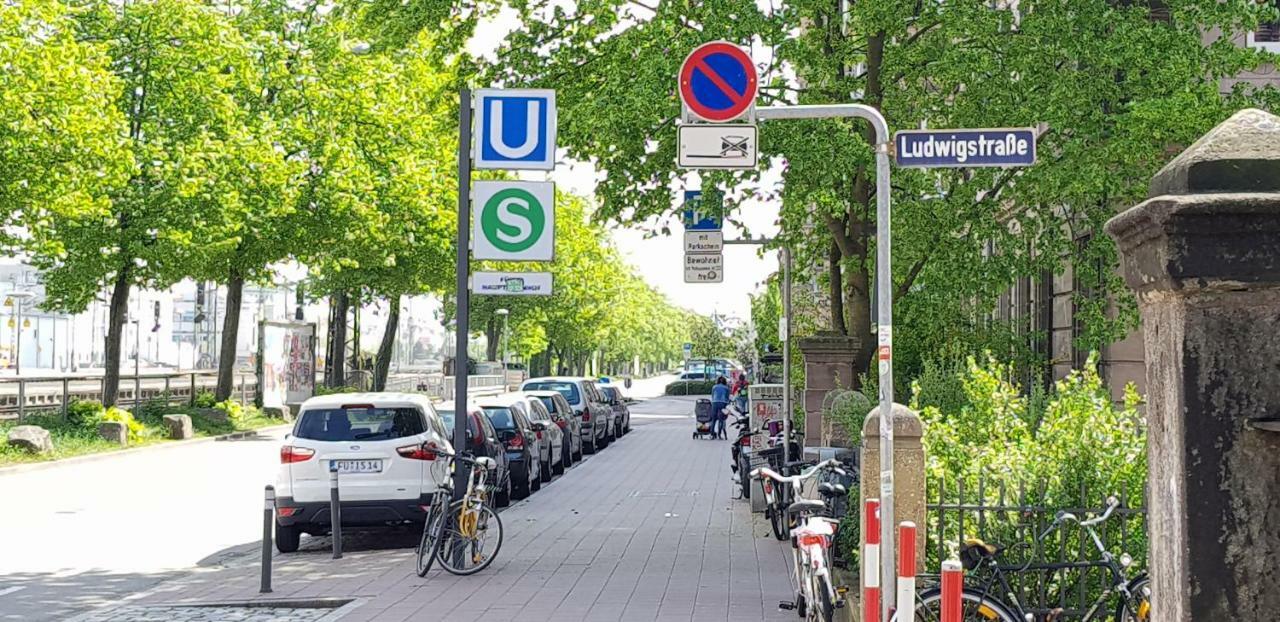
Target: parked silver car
(562, 414)
(589, 407)
(618, 404)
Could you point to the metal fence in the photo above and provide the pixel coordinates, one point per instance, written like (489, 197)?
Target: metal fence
(1013, 515)
(24, 395)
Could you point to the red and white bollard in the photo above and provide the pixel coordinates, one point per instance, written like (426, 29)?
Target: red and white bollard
(871, 561)
(906, 569)
(952, 588)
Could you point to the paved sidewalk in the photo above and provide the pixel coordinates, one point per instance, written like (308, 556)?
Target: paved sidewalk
(645, 530)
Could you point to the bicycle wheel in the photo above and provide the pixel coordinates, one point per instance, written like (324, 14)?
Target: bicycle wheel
(975, 606)
(778, 512)
(823, 608)
(429, 547)
(470, 540)
(1137, 608)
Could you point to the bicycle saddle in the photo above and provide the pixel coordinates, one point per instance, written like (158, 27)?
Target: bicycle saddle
(806, 505)
(486, 463)
(828, 489)
(974, 551)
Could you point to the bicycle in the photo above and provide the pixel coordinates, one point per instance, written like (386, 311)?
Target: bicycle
(816, 595)
(458, 537)
(981, 602)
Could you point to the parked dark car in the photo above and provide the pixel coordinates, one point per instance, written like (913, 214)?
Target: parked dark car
(562, 414)
(621, 413)
(510, 419)
(594, 415)
(482, 441)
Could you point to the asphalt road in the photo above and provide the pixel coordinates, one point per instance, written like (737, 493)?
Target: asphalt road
(79, 536)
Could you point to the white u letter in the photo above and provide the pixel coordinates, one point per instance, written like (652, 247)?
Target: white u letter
(530, 138)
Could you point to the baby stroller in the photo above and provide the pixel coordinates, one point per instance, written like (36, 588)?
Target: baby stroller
(702, 412)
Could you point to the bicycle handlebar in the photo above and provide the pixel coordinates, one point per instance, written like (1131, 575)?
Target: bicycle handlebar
(796, 480)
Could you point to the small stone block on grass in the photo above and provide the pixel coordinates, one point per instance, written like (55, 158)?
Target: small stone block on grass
(179, 427)
(114, 432)
(214, 415)
(32, 438)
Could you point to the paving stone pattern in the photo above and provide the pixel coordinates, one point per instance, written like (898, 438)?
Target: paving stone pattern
(646, 530)
(207, 614)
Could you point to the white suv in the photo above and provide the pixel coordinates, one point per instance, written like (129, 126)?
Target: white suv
(380, 445)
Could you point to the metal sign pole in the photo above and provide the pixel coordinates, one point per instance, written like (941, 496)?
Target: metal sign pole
(884, 293)
(786, 356)
(460, 474)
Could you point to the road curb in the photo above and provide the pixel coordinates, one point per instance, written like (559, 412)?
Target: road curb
(37, 466)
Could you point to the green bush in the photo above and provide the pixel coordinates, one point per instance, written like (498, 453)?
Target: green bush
(849, 410)
(323, 390)
(120, 415)
(204, 399)
(236, 413)
(84, 413)
(1070, 444)
(690, 387)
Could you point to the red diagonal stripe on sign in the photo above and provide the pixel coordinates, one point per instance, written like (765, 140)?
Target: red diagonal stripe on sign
(715, 78)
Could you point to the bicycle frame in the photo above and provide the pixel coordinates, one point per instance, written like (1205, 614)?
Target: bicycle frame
(810, 539)
(1119, 582)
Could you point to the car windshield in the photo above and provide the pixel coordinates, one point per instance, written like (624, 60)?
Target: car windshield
(359, 424)
(568, 389)
(549, 402)
(500, 417)
(447, 417)
(610, 393)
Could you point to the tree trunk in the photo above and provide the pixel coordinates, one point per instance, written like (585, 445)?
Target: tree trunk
(491, 339)
(230, 333)
(119, 312)
(837, 282)
(341, 304)
(382, 366)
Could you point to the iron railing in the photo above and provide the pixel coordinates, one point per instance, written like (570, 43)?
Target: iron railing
(1013, 515)
(22, 395)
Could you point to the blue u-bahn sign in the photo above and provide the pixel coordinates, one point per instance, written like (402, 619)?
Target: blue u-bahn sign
(965, 148)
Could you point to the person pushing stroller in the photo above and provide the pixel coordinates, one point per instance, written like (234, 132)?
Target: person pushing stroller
(719, 401)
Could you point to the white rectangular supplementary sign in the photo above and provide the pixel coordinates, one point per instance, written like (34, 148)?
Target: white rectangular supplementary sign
(511, 283)
(965, 148)
(704, 242)
(704, 268)
(718, 146)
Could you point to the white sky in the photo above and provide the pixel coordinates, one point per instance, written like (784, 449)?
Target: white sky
(660, 260)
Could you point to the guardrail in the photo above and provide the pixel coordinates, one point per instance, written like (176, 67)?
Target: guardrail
(21, 395)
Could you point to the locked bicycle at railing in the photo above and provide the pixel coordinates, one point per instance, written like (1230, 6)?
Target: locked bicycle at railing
(987, 595)
(811, 538)
(465, 535)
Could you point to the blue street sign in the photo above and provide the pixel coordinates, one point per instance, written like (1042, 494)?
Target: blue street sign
(965, 148)
(516, 129)
(703, 214)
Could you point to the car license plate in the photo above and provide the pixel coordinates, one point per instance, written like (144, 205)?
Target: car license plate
(357, 466)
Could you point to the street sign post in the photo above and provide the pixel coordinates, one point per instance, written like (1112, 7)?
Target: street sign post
(688, 351)
(732, 146)
(965, 148)
(718, 82)
(703, 268)
(511, 283)
(517, 129)
(515, 220)
(704, 242)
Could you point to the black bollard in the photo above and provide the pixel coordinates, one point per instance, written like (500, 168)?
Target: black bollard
(335, 510)
(268, 517)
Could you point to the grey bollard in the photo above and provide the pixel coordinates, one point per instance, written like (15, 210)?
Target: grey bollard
(335, 510)
(268, 519)
(1203, 256)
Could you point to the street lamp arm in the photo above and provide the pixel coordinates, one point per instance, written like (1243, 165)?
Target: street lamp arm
(830, 111)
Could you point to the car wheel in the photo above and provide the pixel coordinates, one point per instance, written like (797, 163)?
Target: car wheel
(589, 447)
(577, 457)
(564, 458)
(535, 483)
(287, 538)
(520, 489)
(544, 471)
(502, 498)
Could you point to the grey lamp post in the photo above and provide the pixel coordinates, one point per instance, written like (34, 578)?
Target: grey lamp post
(19, 297)
(505, 341)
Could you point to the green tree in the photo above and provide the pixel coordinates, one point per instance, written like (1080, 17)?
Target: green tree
(1115, 87)
(181, 69)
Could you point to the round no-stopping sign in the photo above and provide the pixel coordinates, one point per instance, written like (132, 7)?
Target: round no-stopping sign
(718, 81)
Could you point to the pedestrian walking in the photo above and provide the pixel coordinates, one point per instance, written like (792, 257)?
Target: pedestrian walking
(719, 401)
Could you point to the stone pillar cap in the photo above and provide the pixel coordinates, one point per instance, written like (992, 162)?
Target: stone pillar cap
(906, 423)
(828, 342)
(1239, 155)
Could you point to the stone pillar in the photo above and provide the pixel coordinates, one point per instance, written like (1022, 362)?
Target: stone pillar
(908, 473)
(828, 364)
(1203, 255)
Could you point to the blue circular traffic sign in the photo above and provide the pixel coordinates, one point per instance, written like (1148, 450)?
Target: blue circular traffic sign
(718, 81)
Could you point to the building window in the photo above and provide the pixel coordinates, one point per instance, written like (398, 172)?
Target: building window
(1267, 36)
